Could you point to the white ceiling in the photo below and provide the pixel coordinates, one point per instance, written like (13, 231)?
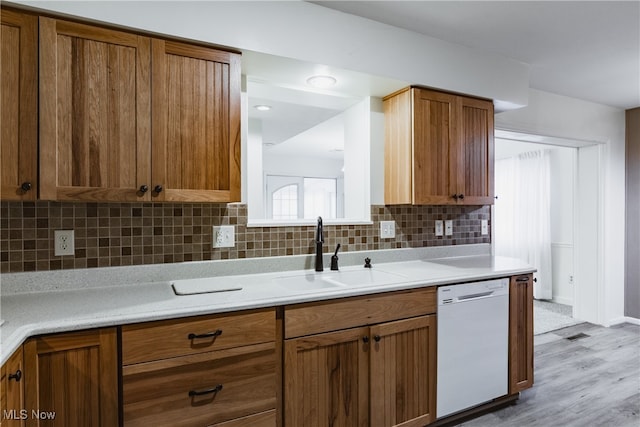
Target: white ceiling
(588, 50)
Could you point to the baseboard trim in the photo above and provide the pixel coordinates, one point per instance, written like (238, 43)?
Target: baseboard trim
(624, 319)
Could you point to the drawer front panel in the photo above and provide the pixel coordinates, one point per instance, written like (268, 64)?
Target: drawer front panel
(179, 337)
(158, 393)
(314, 318)
(263, 419)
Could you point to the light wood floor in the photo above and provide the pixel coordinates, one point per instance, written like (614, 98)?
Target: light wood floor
(589, 382)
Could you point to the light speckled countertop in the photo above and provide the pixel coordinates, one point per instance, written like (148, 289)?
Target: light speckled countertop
(34, 313)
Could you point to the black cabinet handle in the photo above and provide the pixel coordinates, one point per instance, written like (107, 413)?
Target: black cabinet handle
(144, 188)
(455, 197)
(365, 339)
(461, 196)
(17, 376)
(214, 334)
(157, 189)
(377, 338)
(26, 186)
(216, 389)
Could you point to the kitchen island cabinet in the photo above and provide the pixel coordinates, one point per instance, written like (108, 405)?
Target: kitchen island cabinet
(19, 112)
(12, 391)
(73, 376)
(438, 148)
(379, 373)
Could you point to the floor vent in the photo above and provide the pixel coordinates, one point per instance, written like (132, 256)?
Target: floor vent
(577, 336)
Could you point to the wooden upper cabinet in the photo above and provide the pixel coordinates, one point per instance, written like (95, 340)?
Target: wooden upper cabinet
(94, 113)
(19, 112)
(474, 154)
(438, 148)
(196, 123)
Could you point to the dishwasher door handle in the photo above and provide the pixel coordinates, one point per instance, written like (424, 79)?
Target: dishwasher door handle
(475, 296)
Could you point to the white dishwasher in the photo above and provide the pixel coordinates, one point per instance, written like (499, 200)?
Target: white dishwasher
(473, 337)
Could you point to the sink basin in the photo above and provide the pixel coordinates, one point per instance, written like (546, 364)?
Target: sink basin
(333, 279)
(363, 277)
(309, 282)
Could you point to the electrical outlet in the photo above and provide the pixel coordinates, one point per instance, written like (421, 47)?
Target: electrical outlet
(484, 227)
(571, 279)
(387, 229)
(439, 228)
(64, 242)
(224, 236)
(448, 228)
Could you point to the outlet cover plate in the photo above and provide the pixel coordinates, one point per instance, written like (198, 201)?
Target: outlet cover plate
(387, 229)
(448, 228)
(64, 242)
(484, 227)
(439, 228)
(224, 236)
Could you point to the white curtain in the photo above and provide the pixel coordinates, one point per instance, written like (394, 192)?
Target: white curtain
(522, 214)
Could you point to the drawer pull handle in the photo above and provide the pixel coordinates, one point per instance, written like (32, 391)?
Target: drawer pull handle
(217, 333)
(216, 389)
(17, 376)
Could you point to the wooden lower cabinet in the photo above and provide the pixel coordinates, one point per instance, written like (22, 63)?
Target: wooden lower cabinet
(200, 389)
(520, 333)
(382, 375)
(72, 377)
(12, 391)
(327, 379)
(403, 372)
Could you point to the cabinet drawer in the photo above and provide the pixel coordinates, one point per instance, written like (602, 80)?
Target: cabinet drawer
(158, 393)
(171, 338)
(314, 318)
(263, 419)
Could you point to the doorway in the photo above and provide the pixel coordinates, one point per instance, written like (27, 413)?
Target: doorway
(573, 201)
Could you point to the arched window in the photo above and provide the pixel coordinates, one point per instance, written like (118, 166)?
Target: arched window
(285, 202)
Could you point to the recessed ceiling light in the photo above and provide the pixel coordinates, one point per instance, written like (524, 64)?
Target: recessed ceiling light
(321, 81)
(262, 107)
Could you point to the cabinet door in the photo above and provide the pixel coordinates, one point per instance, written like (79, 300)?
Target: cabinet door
(196, 123)
(94, 113)
(326, 379)
(520, 333)
(74, 375)
(473, 153)
(403, 372)
(12, 391)
(19, 112)
(434, 133)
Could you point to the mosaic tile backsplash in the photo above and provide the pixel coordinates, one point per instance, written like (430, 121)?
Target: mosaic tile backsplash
(117, 234)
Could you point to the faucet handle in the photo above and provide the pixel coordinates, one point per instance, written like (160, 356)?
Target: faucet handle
(334, 258)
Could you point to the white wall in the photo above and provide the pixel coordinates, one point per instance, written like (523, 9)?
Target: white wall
(562, 170)
(308, 32)
(602, 296)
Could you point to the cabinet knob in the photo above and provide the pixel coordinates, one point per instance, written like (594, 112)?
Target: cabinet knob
(17, 376)
(144, 188)
(377, 338)
(26, 186)
(157, 189)
(365, 339)
(207, 391)
(455, 197)
(461, 196)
